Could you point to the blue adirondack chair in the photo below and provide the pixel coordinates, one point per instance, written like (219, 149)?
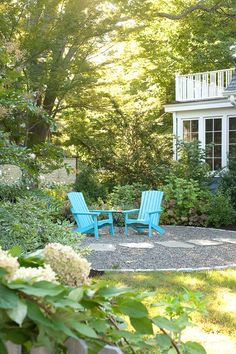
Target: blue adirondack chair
(87, 220)
(149, 214)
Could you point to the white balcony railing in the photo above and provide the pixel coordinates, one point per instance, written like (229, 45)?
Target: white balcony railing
(202, 85)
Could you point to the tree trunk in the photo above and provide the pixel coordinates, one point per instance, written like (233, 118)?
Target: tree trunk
(38, 131)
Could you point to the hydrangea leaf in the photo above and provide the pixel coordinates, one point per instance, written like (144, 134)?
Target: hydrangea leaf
(142, 325)
(133, 308)
(18, 313)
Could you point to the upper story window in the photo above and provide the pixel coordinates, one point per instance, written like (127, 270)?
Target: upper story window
(232, 137)
(190, 130)
(213, 137)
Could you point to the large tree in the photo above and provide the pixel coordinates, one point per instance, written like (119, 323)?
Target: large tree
(56, 38)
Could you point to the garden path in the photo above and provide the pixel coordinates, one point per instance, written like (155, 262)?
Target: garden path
(182, 248)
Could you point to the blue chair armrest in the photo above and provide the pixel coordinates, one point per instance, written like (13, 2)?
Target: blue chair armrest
(154, 212)
(130, 211)
(85, 213)
(103, 211)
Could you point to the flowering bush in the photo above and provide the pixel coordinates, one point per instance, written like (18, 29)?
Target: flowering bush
(34, 274)
(9, 263)
(61, 263)
(71, 269)
(35, 310)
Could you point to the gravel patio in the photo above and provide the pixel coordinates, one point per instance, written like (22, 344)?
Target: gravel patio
(182, 248)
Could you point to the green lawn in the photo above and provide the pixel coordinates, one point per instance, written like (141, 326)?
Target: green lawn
(217, 330)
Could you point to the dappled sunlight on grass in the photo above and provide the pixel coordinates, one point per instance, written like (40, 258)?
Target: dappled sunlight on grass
(218, 288)
(212, 342)
(228, 301)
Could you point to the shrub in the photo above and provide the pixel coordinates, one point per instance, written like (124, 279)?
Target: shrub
(124, 198)
(184, 202)
(220, 210)
(191, 163)
(33, 222)
(88, 183)
(12, 192)
(58, 191)
(228, 181)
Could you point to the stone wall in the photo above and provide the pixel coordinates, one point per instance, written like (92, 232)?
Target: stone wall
(10, 174)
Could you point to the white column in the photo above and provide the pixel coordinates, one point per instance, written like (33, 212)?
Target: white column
(175, 132)
(224, 140)
(201, 131)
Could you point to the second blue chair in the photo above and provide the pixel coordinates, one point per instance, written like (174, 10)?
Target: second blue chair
(148, 214)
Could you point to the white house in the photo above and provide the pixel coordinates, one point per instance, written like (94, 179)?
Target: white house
(205, 110)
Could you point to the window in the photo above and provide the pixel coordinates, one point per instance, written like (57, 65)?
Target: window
(232, 137)
(190, 130)
(213, 139)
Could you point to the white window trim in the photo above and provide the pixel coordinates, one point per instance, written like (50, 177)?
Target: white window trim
(227, 136)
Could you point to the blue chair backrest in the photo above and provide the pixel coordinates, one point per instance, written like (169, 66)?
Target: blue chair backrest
(79, 205)
(150, 201)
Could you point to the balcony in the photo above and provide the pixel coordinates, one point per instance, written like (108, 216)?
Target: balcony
(202, 86)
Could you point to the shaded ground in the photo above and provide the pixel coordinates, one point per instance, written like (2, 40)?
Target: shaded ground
(230, 227)
(182, 248)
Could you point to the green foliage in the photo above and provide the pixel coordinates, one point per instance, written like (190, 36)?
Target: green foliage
(58, 191)
(12, 192)
(184, 202)
(123, 198)
(88, 183)
(178, 311)
(220, 210)
(191, 163)
(46, 314)
(126, 144)
(32, 222)
(126, 196)
(228, 181)
(188, 204)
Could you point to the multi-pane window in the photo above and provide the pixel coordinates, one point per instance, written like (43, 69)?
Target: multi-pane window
(213, 140)
(232, 137)
(190, 130)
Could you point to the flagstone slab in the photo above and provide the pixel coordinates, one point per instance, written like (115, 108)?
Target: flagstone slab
(224, 239)
(175, 244)
(137, 245)
(205, 242)
(102, 247)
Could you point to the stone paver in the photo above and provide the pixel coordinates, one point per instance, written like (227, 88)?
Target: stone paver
(102, 247)
(205, 242)
(137, 245)
(175, 244)
(227, 240)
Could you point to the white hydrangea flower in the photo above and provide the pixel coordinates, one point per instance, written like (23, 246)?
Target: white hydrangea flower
(32, 156)
(35, 274)
(70, 267)
(41, 178)
(8, 262)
